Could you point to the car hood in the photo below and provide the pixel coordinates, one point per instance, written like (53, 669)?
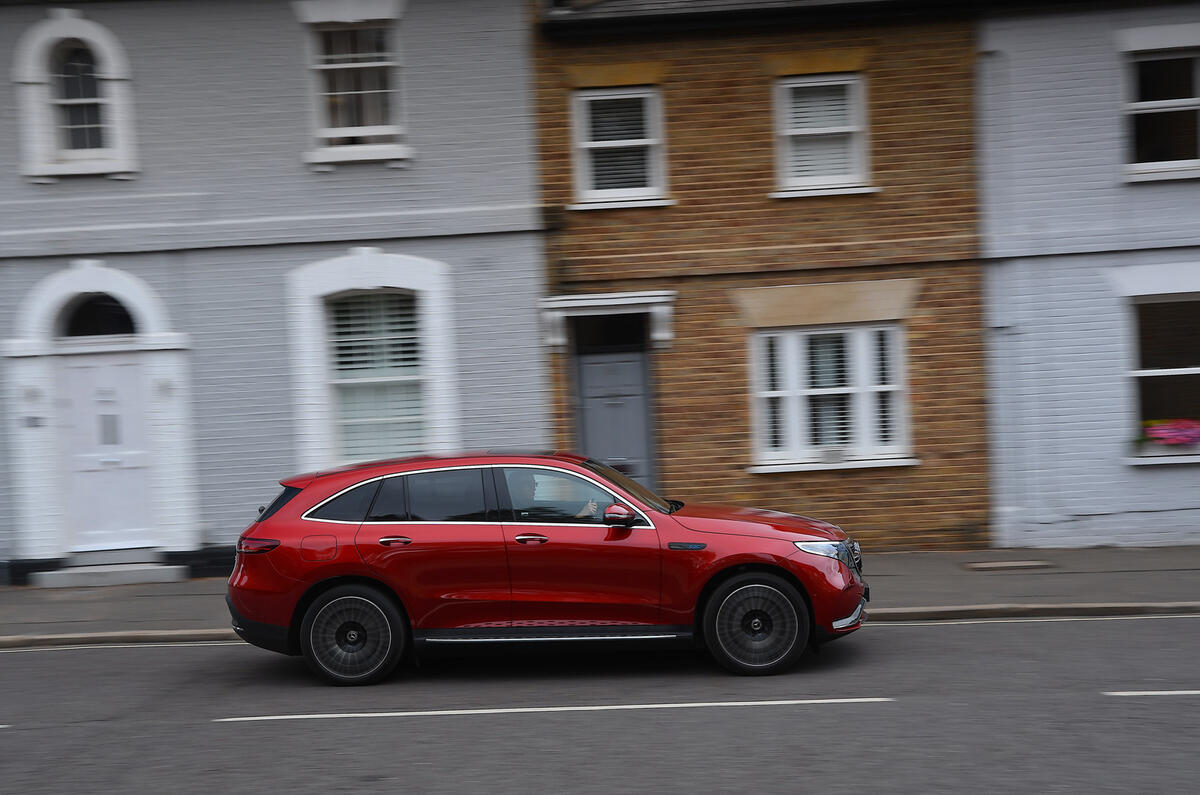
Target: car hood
(755, 522)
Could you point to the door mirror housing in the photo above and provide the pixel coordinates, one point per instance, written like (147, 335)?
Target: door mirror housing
(618, 515)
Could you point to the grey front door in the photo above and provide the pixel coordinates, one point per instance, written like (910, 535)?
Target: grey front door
(614, 426)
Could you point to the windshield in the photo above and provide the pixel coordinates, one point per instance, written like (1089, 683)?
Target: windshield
(632, 486)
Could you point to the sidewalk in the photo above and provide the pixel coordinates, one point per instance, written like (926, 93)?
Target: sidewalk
(904, 586)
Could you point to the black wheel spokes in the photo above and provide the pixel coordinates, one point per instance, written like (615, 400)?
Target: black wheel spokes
(757, 625)
(351, 637)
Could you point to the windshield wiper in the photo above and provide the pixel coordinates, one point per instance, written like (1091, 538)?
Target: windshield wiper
(675, 505)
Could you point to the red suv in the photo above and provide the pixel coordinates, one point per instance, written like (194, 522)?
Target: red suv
(355, 567)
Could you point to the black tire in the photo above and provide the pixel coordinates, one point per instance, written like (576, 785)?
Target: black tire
(353, 635)
(756, 624)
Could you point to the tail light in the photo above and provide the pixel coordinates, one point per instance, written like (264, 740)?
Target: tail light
(256, 546)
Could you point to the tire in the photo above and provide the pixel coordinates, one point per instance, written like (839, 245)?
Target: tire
(353, 635)
(756, 624)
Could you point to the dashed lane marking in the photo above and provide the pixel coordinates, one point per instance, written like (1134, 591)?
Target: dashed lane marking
(78, 647)
(933, 622)
(528, 710)
(1135, 693)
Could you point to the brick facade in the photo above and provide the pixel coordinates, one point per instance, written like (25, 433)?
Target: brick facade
(725, 233)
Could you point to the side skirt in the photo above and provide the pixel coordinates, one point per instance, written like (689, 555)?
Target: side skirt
(458, 639)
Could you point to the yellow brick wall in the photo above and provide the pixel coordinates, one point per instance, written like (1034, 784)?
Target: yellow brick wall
(725, 234)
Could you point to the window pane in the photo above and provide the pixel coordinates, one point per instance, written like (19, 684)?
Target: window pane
(774, 421)
(349, 507)
(771, 363)
(614, 169)
(827, 366)
(1170, 397)
(375, 334)
(617, 119)
(885, 416)
(389, 503)
(829, 420)
(454, 495)
(77, 74)
(543, 496)
(820, 156)
(1170, 135)
(1170, 78)
(819, 106)
(1169, 335)
(883, 359)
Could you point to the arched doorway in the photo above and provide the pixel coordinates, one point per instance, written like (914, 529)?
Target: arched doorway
(102, 441)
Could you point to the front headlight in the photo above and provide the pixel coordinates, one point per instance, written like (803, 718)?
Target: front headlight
(838, 550)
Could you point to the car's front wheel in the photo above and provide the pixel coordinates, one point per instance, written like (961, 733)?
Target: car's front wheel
(756, 624)
(353, 635)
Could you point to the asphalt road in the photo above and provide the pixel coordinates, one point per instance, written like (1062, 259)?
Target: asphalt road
(1018, 706)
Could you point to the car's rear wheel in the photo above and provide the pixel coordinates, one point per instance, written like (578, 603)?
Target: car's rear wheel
(756, 624)
(353, 635)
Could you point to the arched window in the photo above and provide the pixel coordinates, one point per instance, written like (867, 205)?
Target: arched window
(80, 106)
(96, 315)
(73, 93)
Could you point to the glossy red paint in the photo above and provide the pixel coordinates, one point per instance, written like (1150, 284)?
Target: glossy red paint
(493, 571)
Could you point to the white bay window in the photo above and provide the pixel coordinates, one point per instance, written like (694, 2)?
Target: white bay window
(827, 395)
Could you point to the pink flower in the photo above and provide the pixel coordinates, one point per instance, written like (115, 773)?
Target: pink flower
(1175, 432)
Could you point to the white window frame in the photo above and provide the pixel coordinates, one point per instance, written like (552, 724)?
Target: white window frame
(319, 16)
(1172, 168)
(655, 143)
(860, 175)
(862, 446)
(367, 269)
(43, 156)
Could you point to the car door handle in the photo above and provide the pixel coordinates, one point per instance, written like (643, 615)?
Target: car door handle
(395, 541)
(531, 538)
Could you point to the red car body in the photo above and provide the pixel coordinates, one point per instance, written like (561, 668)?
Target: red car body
(510, 575)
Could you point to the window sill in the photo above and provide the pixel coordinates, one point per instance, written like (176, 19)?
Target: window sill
(1160, 460)
(1144, 174)
(331, 155)
(46, 173)
(620, 205)
(831, 191)
(873, 463)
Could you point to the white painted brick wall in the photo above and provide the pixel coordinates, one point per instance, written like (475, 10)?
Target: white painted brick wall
(224, 207)
(1061, 342)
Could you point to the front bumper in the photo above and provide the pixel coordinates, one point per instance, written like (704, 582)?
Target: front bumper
(855, 619)
(266, 636)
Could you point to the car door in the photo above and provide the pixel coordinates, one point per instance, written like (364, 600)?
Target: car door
(565, 565)
(435, 536)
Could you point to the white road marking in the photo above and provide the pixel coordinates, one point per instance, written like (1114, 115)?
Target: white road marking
(1152, 693)
(934, 622)
(5, 726)
(527, 710)
(180, 644)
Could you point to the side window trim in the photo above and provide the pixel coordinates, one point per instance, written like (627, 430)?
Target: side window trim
(308, 515)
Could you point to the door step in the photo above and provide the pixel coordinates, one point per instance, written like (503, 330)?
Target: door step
(109, 574)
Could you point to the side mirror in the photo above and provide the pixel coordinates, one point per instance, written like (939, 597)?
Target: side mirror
(618, 515)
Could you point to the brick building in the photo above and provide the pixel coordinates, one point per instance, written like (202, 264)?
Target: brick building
(762, 258)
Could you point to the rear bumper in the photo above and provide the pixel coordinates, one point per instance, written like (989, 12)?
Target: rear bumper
(266, 636)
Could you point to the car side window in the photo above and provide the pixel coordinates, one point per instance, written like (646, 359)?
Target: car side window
(543, 495)
(390, 504)
(449, 495)
(350, 506)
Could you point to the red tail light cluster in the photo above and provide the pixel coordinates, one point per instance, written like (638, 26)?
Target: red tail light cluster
(256, 546)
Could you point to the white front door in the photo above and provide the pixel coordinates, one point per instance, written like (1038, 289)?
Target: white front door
(105, 451)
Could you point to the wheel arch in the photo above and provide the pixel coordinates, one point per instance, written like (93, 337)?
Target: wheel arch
(315, 591)
(714, 582)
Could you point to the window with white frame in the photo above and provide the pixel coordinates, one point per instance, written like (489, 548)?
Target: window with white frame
(821, 132)
(377, 376)
(1164, 110)
(618, 144)
(73, 94)
(823, 395)
(1168, 374)
(355, 67)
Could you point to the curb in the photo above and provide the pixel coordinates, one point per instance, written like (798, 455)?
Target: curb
(882, 615)
(116, 638)
(879, 615)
